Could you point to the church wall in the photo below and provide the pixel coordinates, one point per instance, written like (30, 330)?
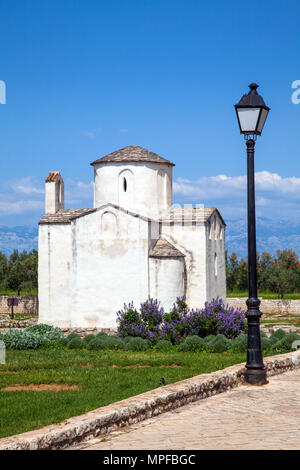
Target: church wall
(190, 240)
(110, 266)
(167, 280)
(54, 274)
(216, 268)
(149, 186)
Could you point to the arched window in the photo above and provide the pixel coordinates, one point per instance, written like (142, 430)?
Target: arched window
(126, 189)
(109, 225)
(216, 264)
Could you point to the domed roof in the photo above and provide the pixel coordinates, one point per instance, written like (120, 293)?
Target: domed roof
(132, 153)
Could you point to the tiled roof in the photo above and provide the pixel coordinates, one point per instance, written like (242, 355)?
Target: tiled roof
(53, 175)
(188, 215)
(164, 249)
(132, 153)
(64, 216)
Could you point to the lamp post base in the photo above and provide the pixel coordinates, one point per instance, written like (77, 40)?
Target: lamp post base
(256, 377)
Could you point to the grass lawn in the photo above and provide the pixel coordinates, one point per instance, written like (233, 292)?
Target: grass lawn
(265, 295)
(14, 293)
(98, 379)
(20, 316)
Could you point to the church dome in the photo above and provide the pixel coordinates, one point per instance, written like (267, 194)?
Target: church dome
(134, 178)
(132, 153)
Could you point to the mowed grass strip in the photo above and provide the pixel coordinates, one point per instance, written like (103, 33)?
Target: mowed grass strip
(265, 295)
(99, 381)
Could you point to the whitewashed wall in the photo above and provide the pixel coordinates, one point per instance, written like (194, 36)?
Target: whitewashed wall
(215, 260)
(149, 186)
(110, 266)
(54, 274)
(190, 240)
(167, 280)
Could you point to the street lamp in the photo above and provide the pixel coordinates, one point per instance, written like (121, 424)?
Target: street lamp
(252, 114)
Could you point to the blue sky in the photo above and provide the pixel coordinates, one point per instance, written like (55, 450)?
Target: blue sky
(84, 78)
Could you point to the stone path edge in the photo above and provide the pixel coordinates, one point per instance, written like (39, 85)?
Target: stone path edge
(140, 407)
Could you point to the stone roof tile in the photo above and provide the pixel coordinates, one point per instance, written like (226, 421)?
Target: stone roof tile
(132, 153)
(64, 216)
(187, 215)
(164, 249)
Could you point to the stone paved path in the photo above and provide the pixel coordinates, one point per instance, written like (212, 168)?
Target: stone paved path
(248, 417)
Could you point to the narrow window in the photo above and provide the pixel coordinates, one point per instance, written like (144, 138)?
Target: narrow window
(124, 185)
(216, 264)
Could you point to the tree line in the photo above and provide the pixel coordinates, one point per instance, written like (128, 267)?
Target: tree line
(278, 274)
(19, 271)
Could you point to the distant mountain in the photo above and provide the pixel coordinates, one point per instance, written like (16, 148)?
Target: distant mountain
(20, 238)
(271, 235)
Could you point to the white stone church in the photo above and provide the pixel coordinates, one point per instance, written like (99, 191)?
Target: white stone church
(131, 246)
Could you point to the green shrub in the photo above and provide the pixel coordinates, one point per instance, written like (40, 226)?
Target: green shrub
(263, 334)
(72, 336)
(101, 335)
(208, 339)
(88, 338)
(273, 340)
(192, 343)
(240, 343)
(278, 334)
(287, 341)
(114, 342)
(219, 344)
(163, 345)
(49, 334)
(137, 344)
(75, 343)
(64, 341)
(21, 339)
(97, 343)
(127, 339)
(266, 344)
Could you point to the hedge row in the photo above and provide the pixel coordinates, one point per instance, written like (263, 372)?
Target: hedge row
(47, 336)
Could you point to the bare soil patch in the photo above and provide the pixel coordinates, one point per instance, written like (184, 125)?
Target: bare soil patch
(142, 366)
(39, 387)
(21, 371)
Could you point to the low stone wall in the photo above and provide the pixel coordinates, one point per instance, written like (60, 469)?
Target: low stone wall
(283, 306)
(82, 332)
(26, 304)
(146, 405)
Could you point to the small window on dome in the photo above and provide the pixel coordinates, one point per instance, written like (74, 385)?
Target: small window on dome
(124, 185)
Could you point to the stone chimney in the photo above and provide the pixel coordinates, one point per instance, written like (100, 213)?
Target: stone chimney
(54, 192)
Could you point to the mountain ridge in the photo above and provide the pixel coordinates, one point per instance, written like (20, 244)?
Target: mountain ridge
(271, 236)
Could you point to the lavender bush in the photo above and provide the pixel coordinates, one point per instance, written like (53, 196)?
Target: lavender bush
(144, 324)
(153, 324)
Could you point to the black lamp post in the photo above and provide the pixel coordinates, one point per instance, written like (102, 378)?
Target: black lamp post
(252, 113)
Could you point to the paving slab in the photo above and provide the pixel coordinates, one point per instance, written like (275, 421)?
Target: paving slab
(247, 417)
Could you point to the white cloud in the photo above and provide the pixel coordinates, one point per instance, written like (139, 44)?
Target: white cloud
(221, 186)
(27, 185)
(17, 207)
(276, 196)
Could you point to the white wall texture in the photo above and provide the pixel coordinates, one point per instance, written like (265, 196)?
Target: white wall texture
(215, 258)
(167, 280)
(88, 268)
(190, 240)
(55, 262)
(149, 186)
